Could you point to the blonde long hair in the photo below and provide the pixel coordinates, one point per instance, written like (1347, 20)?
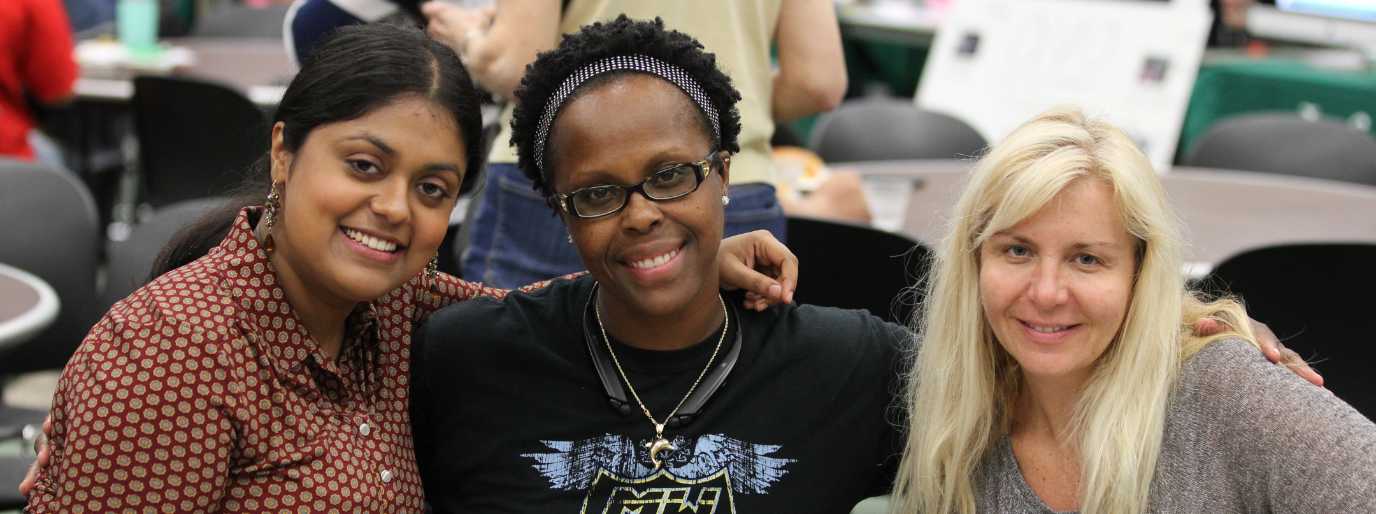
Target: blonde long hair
(961, 396)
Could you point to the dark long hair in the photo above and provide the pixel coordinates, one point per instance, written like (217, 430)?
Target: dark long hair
(357, 69)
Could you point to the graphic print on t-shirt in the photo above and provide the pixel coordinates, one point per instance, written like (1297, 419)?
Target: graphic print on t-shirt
(700, 475)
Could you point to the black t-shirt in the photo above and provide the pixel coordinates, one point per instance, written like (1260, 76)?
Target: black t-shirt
(509, 414)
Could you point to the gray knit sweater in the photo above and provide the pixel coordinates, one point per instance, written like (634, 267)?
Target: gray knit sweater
(1242, 435)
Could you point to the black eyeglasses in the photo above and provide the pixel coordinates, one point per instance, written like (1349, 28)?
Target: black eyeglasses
(675, 181)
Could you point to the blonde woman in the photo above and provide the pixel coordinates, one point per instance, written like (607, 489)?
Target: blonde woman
(1058, 372)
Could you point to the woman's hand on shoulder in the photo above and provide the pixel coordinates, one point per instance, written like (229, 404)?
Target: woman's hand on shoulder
(1271, 347)
(760, 264)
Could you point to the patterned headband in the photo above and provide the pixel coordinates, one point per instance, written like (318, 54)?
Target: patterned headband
(642, 63)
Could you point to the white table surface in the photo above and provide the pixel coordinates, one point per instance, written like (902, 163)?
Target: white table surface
(29, 305)
(257, 67)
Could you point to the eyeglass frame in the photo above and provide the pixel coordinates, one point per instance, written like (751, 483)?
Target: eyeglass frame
(701, 169)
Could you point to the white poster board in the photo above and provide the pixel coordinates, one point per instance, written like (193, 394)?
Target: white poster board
(997, 63)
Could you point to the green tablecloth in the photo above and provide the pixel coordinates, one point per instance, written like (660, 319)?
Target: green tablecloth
(895, 67)
(1229, 87)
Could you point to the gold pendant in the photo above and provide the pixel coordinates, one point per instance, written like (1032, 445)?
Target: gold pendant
(658, 445)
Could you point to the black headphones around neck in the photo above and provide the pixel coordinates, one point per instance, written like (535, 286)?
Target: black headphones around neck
(616, 393)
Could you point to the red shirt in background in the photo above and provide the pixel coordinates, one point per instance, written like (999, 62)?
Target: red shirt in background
(35, 58)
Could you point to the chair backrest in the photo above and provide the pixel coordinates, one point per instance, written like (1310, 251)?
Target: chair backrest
(131, 260)
(1287, 144)
(857, 267)
(196, 138)
(1316, 298)
(883, 129)
(12, 470)
(50, 230)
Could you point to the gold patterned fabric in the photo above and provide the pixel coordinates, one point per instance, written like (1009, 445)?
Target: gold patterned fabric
(203, 392)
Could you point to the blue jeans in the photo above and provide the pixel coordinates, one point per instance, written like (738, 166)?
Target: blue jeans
(516, 239)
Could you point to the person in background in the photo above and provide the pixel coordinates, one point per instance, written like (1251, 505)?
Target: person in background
(308, 22)
(36, 63)
(90, 14)
(1058, 371)
(512, 238)
(1230, 22)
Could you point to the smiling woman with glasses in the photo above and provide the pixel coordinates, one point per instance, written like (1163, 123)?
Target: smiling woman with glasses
(642, 389)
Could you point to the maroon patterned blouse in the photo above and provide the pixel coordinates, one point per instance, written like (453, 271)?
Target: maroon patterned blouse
(203, 392)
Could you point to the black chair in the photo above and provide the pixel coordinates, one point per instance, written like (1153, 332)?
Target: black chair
(885, 128)
(53, 233)
(1316, 298)
(196, 139)
(1289, 145)
(131, 260)
(857, 267)
(12, 470)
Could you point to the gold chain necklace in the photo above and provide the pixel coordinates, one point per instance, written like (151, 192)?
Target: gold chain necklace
(660, 443)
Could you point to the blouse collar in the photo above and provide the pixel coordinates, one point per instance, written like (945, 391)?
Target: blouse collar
(263, 304)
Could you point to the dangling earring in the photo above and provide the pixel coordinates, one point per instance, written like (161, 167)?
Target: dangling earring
(725, 200)
(272, 205)
(272, 208)
(432, 270)
(570, 238)
(430, 280)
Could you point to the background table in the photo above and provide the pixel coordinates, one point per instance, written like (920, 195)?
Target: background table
(1229, 84)
(27, 305)
(1224, 212)
(258, 67)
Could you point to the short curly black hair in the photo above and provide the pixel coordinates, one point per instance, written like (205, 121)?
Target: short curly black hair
(622, 36)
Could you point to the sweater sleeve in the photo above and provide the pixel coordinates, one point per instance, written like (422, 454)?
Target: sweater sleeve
(1293, 447)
